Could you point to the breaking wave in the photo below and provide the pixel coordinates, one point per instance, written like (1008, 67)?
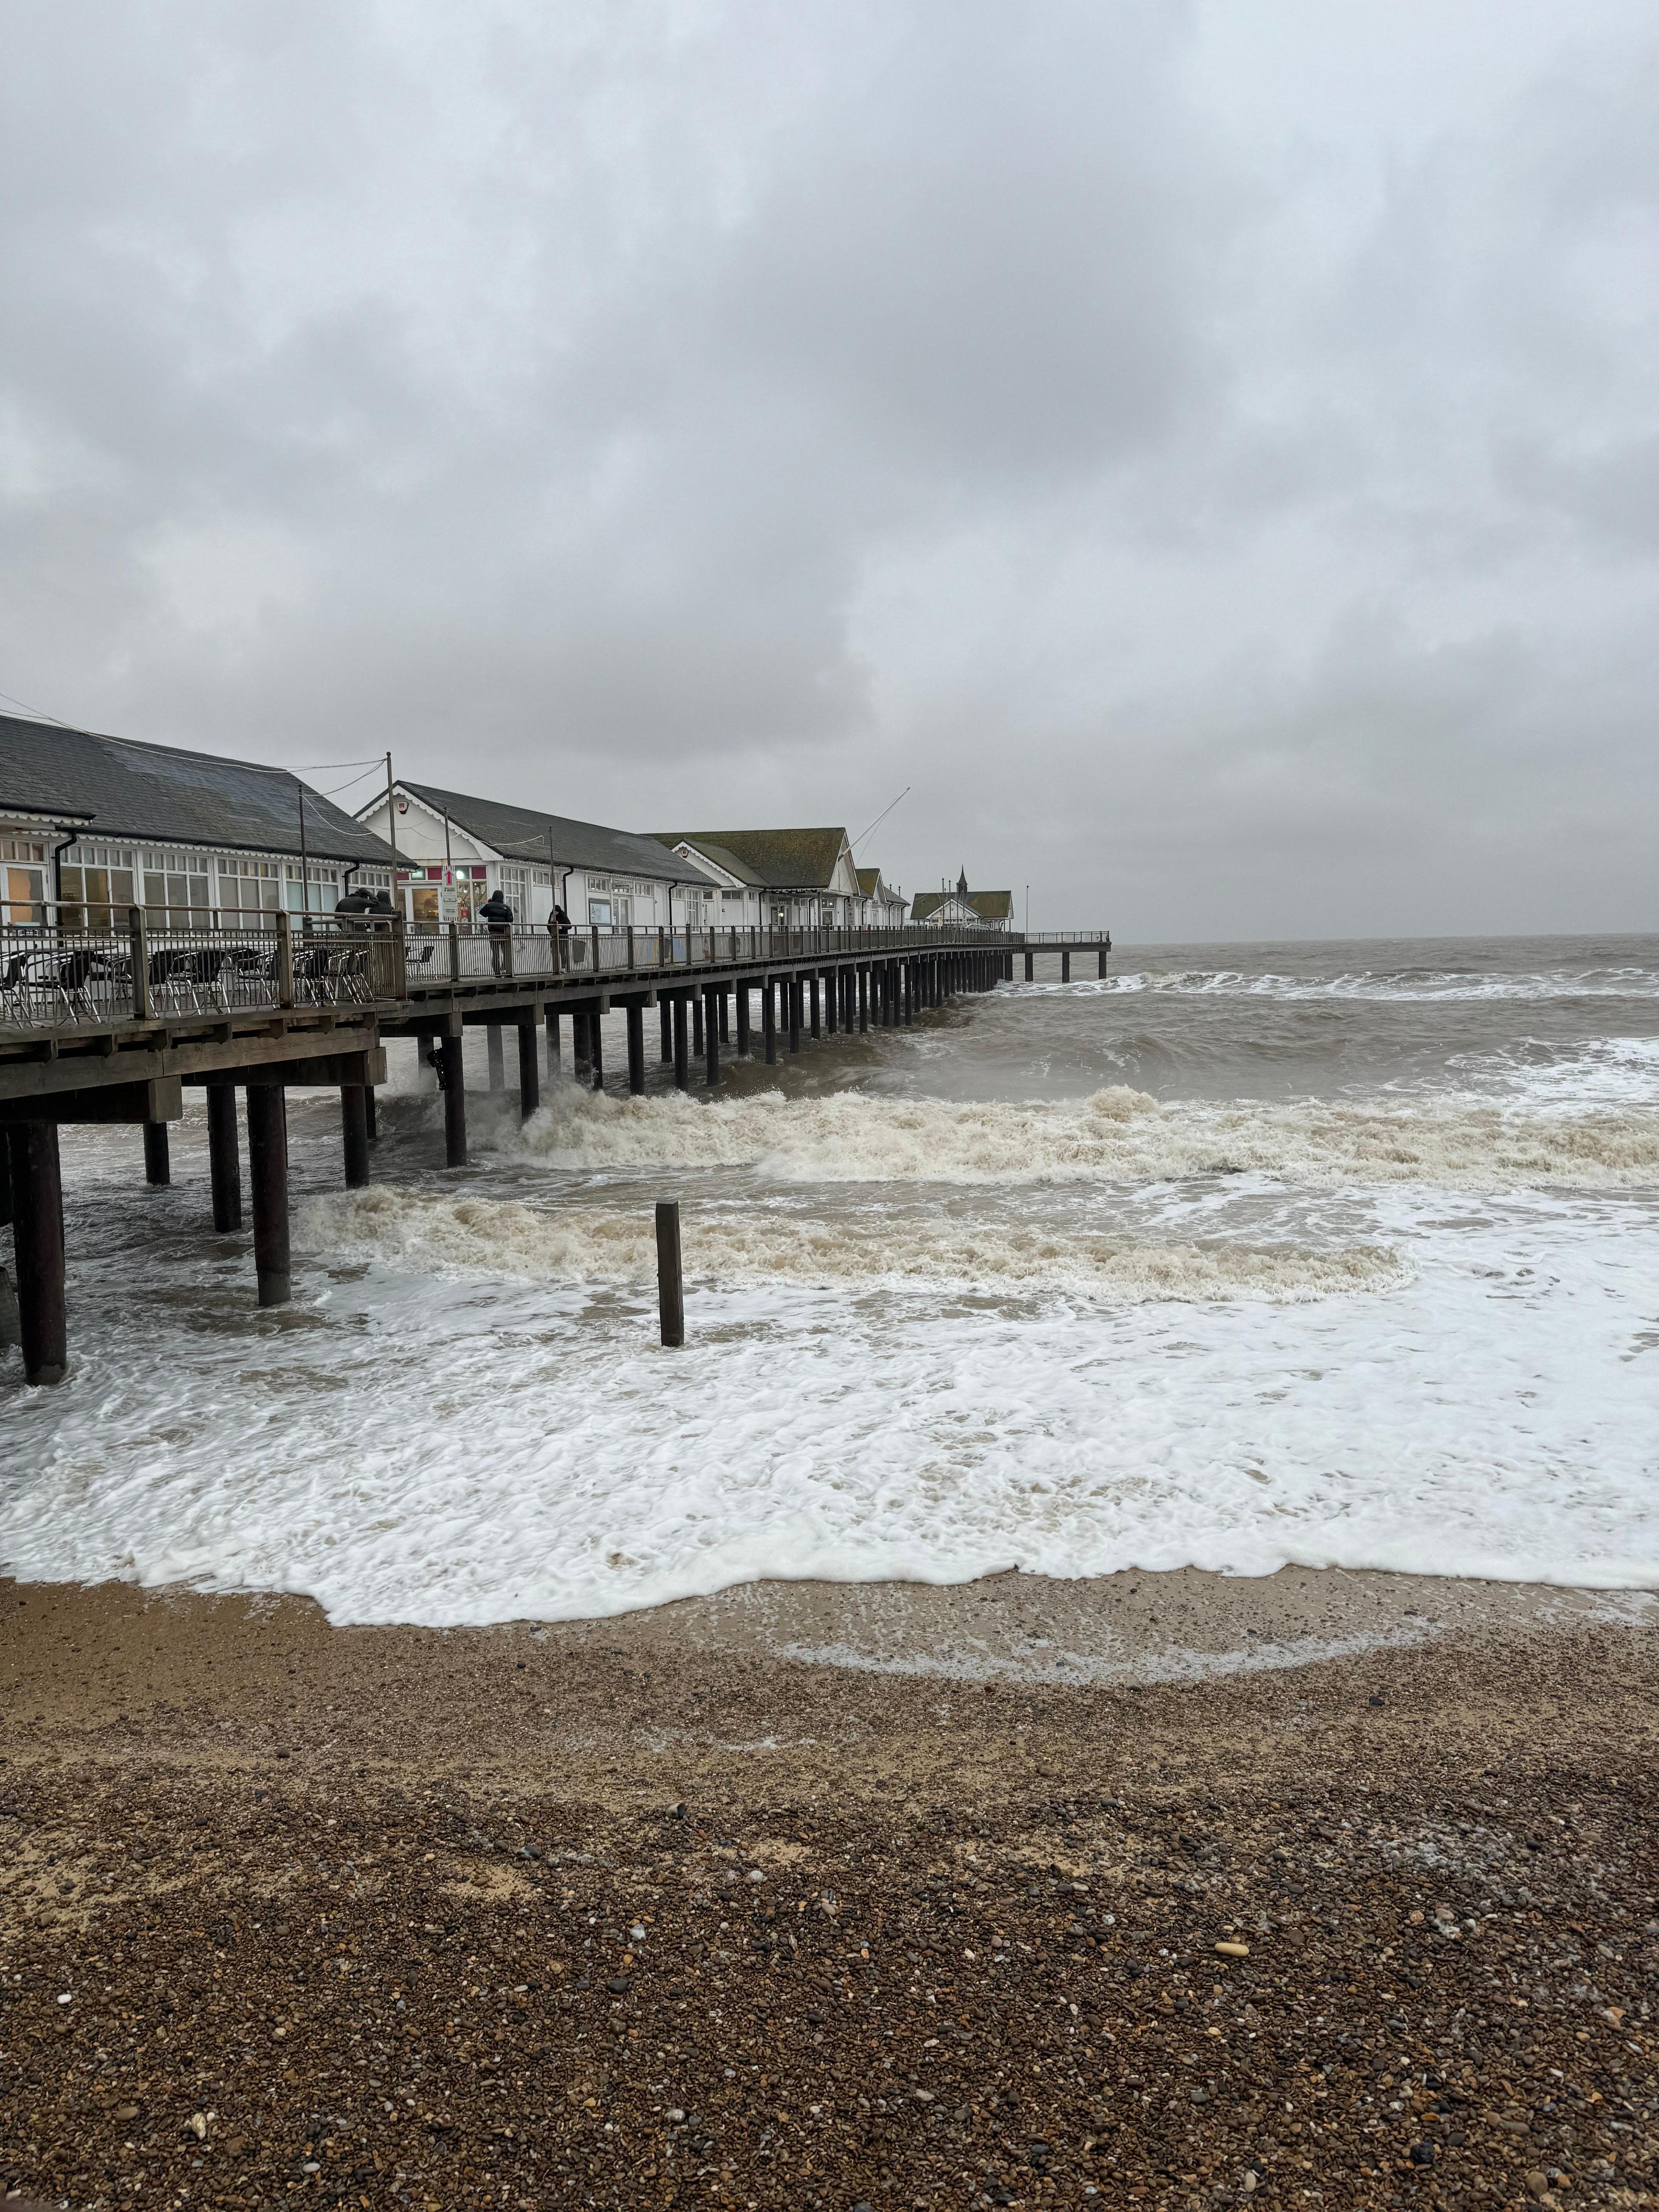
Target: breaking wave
(1409, 984)
(1118, 1134)
(436, 1234)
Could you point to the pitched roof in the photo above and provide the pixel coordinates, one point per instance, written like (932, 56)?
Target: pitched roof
(521, 833)
(157, 793)
(989, 906)
(719, 858)
(870, 881)
(783, 860)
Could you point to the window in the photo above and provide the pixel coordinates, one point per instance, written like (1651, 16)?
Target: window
(97, 887)
(247, 887)
(598, 913)
(313, 891)
(23, 882)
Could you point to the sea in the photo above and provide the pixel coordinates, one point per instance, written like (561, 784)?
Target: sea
(1340, 1254)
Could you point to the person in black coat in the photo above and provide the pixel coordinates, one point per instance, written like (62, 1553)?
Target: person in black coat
(497, 917)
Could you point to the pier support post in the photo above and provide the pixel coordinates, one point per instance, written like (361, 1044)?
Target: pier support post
(696, 1025)
(596, 1047)
(497, 1058)
(581, 1067)
(552, 1045)
(666, 1022)
(769, 1020)
(158, 1158)
(267, 1160)
(1100, 969)
(1030, 967)
(1065, 966)
(682, 1045)
(814, 1024)
(723, 1011)
(224, 1164)
(711, 1035)
(36, 1231)
(372, 1113)
(830, 1002)
(637, 1052)
(452, 1077)
(795, 990)
(354, 1132)
(743, 1021)
(864, 999)
(529, 1073)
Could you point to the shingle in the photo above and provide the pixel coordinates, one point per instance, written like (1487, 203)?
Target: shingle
(159, 795)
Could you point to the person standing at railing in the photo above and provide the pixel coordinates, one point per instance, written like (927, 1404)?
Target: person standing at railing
(558, 922)
(358, 900)
(497, 917)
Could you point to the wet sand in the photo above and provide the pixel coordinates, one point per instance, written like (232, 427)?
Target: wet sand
(812, 1895)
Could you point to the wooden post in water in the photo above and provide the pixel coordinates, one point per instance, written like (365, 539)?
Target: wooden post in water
(722, 1006)
(497, 1058)
(670, 1284)
(1065, 966)
(354, 1131)
(224, 1164)
(552, 1044)
(1100, 969)
(529, 1073)
(711, 1035)
(267, 1160)
(769, 1021)
(453, 1077)
(864, 999)
(743, 1021)
(580, 1063)
(666, 1022)
(793, 988)
(372, 1114)
(37, 1242)
(696, 1025)
(158, 1163)
(814, 986)
(635, 1052)
(682, 1046)
(596, 1047)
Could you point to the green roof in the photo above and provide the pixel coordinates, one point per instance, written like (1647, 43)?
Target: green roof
(782, 859)
(989, 906)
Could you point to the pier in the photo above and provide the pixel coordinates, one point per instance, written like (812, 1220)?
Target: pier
(113, 1026)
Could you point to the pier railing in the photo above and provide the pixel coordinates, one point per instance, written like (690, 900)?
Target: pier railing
(53, 979)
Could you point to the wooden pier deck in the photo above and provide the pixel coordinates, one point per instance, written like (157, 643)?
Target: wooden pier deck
(112, 1027)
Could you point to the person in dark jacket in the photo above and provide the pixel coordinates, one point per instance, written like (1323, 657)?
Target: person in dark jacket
(497, 917)
(357, 900)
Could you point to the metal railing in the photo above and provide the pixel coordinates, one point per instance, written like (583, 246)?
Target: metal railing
(1037, 939)
(53, 979)
(437, 955)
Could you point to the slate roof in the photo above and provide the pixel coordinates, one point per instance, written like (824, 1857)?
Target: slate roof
(721, 859)
(782, 859)
(989, 906)
(157, 795)
(871, 884)
(520, 832)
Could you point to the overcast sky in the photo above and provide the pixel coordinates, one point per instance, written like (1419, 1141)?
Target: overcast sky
(1210, 450)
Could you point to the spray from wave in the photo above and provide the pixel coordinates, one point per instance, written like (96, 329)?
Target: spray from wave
(1427, 985)
(435, 1234)
(1118, 1134)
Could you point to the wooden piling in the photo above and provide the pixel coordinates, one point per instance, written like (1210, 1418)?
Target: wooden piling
(696, 1025)
(552, 1044)
(666, 1024)
(636, 1016)
(267, 1159)
(743, 1021)
(581, 1068)
(1100, 954)
(596, 1047)
(497, 1058)
(454, 1080)
(711, 1035)
(671, 1282)
(224, 1163)
(863, 973)
(158, 1162)
(530, 1073)
(814, 1027)
(354, 1131)
(682, 1052)
(723, 1012)
(36, 1231)
(1065, 966)
(372, 1114)
(793, 988)
(769, 1020)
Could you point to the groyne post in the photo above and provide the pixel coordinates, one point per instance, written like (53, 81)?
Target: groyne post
(670, 1284)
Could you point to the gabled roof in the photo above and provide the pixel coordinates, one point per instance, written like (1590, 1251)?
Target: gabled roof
(870, 882)
(718, 857)
(521, 833)
(782, 859)
(155, 794)
(989, 906)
